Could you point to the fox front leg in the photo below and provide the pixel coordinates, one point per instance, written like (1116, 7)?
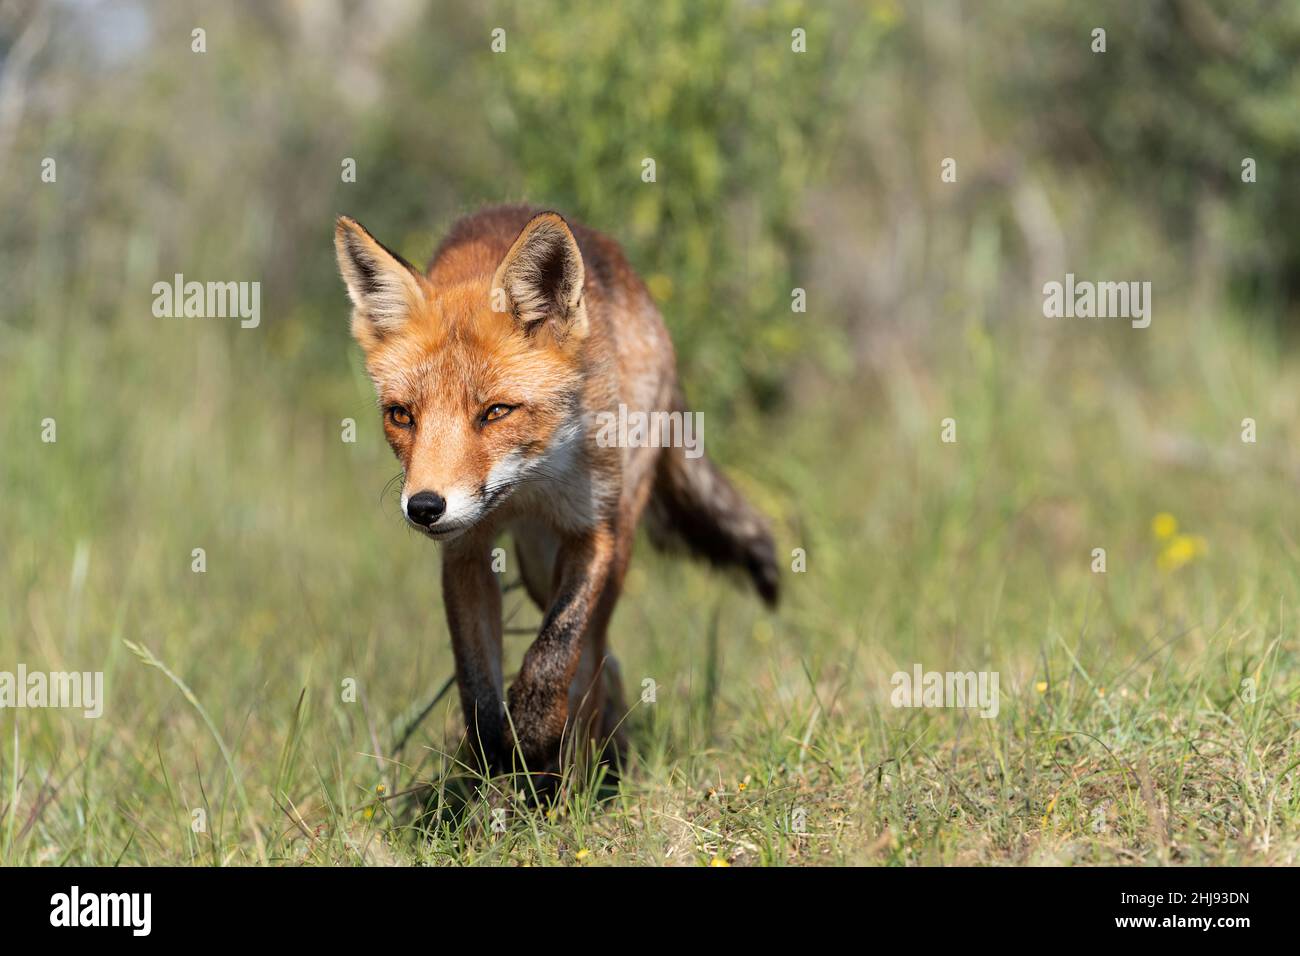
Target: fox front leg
(472, 594)
(539, 696)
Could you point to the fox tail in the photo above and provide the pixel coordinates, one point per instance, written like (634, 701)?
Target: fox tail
(694, 504)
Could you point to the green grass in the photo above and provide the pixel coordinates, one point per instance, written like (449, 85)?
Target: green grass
(1123, 734)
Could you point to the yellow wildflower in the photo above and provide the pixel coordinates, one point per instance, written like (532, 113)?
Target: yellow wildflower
(1164, 526)
(1182, 549)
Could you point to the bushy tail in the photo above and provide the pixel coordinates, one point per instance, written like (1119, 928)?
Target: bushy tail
(693, 503)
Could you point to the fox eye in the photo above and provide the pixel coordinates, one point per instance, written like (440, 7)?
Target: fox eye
(400, 417)
(495, 412)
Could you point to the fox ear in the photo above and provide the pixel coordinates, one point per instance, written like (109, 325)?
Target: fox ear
(542, 277)
(383, 286)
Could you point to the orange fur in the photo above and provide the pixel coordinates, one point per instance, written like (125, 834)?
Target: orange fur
(491, 367)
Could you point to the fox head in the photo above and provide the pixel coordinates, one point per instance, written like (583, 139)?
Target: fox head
(479, 379)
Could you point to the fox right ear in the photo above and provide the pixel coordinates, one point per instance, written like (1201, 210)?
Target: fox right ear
(542, 276)
(383, 286)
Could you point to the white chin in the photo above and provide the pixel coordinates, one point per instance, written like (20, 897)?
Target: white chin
(449, 533)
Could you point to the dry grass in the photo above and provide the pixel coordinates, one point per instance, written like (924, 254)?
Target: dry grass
(1124, 733)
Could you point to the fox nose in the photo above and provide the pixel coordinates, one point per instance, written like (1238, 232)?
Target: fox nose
(425, 507)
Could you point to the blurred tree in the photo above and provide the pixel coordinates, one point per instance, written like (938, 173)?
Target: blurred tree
(1185, 91)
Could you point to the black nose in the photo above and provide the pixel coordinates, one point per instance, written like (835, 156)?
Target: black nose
(425, 507)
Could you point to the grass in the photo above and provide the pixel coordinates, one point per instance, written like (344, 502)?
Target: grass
(1147, 715)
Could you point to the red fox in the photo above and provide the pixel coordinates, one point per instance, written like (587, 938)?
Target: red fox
(491, 368)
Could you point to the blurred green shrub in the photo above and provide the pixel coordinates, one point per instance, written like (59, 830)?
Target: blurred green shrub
(738, 125)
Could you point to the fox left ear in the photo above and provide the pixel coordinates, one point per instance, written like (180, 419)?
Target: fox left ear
(383, 286)
(542, 276)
